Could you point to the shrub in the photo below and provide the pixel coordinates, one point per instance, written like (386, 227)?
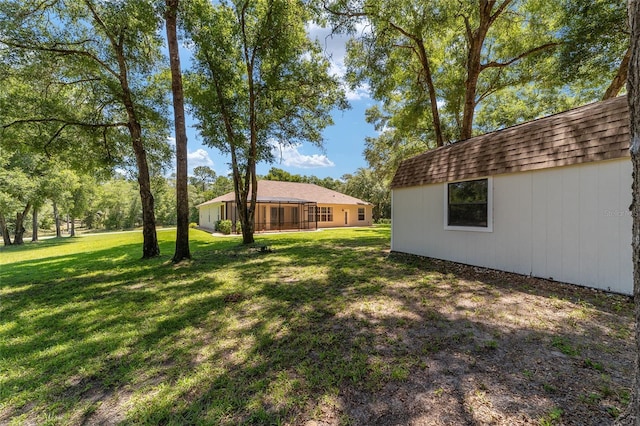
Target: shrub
(193, 225)
(224, 226)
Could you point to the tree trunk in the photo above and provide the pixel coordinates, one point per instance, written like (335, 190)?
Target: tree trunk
(475, 40)
(5, 232)
(56, 217)
(34, 224)
(19, 236)
(150, 247)
(182, 198)
(620, 79)
(250, 180)
(632, 415)
(72, 233)
(426, 67)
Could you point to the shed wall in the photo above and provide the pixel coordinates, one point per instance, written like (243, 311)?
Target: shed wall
(569, 224)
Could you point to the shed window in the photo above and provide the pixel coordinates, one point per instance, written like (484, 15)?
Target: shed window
(360, 213)
(468, 203)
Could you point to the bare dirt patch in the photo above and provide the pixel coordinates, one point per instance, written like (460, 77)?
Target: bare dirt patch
(468, 345)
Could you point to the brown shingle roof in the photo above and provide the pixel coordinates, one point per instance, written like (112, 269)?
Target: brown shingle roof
(274, 191)
(599, 131)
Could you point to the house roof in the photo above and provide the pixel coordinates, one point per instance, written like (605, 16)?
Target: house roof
(594, 132)
(293, 192)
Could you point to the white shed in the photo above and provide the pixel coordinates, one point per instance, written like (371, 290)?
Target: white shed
(548, 198)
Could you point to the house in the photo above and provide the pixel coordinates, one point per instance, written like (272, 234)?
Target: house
(548, 198)
(291, 206)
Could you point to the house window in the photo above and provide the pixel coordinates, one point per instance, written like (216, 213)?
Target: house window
(295, 219)
(312, 214)
(468, 204)
(360, 213)
(324, 214)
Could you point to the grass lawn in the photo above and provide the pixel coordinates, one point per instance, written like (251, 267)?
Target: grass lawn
(323, 328)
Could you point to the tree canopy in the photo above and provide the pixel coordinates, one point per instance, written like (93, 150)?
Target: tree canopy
(106, 55)
(258, 80)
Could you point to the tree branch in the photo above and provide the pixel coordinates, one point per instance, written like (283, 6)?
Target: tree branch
(499, 11)
(61, 51)
(65, 122)
(52, 138)
(495, 64)
(403, 31)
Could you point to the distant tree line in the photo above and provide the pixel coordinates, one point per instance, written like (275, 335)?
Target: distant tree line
(63, 199)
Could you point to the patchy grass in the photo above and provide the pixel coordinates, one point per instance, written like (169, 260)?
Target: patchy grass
(324, 326)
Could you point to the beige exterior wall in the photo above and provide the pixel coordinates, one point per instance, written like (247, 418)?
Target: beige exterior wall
(570, 224)
(347, 215)
(210, 214)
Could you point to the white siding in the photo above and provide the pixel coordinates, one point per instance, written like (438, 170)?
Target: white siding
(570, 224)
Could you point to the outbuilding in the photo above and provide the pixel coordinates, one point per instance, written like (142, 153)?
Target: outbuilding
(548, 198)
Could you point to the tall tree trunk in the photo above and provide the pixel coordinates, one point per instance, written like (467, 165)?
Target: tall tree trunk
(250, 180)
(72, 233)
(632, 415)
(56, 216)
(620, 79)
(182, 198)
(34, 224)
(433, 101)
(428, 80)
(19, 236)
(5, 232)
(150, 247)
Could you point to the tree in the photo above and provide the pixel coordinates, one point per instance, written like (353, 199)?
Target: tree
(632, 416)
(107, 52)
(445, 58)
(59, 184)
(19, 182)
(258, 80)
(595, 50)
(275, 173)
(81, 198)
(203, 176)
(117, 204)
(182, 196)
(364, 184)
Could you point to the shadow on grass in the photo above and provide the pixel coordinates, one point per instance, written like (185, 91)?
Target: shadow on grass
(330, 328)
(37, 245)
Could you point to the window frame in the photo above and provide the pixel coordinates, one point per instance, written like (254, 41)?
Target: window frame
(361, 213)
(489, 227)
(324, 214)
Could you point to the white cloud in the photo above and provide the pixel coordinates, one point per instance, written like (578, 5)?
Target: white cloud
(290, 156)
(199, 157)
(334, 46)
(359, 93)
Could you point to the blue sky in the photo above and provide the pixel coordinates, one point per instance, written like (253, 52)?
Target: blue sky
(344, 141)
